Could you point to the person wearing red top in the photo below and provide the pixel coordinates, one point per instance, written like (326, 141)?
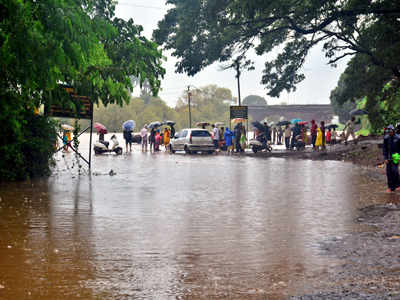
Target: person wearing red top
(314, 128)
(329, 137)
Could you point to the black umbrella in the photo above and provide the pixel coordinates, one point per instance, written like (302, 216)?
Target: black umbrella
(358, 112)
(332, 126)
(283, 123)
(154, 124)
(169, 123)
(258, 125)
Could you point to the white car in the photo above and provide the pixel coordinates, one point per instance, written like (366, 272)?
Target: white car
(192, 140)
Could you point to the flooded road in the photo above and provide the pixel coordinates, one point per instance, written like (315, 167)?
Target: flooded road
(176, 227)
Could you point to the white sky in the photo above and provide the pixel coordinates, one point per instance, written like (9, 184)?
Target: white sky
(315, 89)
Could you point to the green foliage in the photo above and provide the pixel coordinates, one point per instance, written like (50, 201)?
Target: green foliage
(254, 100)
(342, 109)
(203, 32)
(27, 144)
(48, 42)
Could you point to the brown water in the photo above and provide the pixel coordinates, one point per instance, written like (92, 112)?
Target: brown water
(176, 227)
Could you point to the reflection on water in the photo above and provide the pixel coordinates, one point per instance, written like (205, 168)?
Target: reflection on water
(176, 226)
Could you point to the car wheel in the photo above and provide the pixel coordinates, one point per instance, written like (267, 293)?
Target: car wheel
(187, 151)
(171, 149)
(211, 152)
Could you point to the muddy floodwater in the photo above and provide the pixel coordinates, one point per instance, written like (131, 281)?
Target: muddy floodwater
(176, 227)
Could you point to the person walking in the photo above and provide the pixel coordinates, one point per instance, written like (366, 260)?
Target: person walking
(349, 129)
(166, 138)
(238, 134)
(152, 139)
(314, 132)
(296, 132)
(319, 140)
(391, 150)
(215, 131)
(172, 131)
(228, 134)
(128, 139)
(280, 134)
(322, 127)
(143, 134)
(329, 137)
(157, 140)
(287, 134)
(267, 131)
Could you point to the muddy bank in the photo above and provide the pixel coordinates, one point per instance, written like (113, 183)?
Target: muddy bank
(367, 152)
(370, 267)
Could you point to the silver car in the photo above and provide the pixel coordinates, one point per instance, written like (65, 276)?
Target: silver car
(192, 140)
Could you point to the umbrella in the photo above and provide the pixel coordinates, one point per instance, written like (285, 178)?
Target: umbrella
(302, 123)
(100, 128)
(294, 121)
(67, 127)
(169, 123)
(202, 124)
(218, 124)
(154, 124)
(358, 112)
(332, 126)
(258, 125)
(283, 123)
(128, 125)
(238, 120)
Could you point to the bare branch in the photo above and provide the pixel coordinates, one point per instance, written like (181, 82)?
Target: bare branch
(332, 61)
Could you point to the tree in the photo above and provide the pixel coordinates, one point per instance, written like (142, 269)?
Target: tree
(201, 32)
(341, 106)
(209, 104)
(254, 100)
(81, 43)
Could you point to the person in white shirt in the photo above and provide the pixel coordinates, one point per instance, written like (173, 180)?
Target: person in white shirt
(215, 136)
(143, 134)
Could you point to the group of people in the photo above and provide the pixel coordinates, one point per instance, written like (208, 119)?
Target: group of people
(153, 138)
(226, 139)
(319, 136)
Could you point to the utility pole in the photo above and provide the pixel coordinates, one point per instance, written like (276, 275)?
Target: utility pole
(237, 67)
(190, 113)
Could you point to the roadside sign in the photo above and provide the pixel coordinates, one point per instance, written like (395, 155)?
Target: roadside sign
(238, 111)
(83, 106)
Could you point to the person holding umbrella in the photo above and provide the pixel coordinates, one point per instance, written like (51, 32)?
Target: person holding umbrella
(127, 128)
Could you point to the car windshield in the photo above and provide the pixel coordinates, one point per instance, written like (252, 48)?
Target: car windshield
(201, 133)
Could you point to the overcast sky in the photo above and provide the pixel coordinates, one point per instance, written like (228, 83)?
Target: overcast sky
(315, 89)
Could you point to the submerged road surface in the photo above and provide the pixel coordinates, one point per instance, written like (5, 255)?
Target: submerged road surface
(176, 227)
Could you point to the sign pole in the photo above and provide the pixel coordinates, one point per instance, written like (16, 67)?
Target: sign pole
(91, 132)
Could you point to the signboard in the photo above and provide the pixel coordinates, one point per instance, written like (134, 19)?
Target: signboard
(83, 106)
(238, 112)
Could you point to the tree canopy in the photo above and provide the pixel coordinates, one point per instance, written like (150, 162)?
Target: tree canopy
(50, 42)
(254, 100)
(201, 32)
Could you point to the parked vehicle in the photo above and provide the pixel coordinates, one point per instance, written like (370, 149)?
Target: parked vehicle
(299, 143)
(101, 147)
(192, 140)
(260, 143)
(136, 138)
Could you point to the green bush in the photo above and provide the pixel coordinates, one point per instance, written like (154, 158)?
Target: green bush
(26, 144)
